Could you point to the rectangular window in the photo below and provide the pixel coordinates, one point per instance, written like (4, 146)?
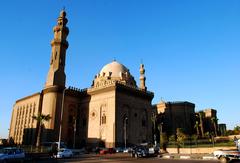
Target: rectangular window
(143, 123)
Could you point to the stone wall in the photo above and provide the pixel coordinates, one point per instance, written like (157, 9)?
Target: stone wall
(198, 150)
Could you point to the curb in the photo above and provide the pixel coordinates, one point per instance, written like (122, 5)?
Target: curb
(187, 157)
(209, 158)
(166, 157)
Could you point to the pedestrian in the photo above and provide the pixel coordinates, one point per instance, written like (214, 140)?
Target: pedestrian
(54, 150)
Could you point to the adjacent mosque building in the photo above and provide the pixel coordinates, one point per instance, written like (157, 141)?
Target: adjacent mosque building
(113, 111)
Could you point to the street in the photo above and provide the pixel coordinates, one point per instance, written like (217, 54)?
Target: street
(133, 160)
(122, 159)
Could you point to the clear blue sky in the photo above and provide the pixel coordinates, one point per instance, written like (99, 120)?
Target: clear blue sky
(190, 48)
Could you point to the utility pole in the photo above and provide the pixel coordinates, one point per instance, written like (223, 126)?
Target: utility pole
(61, 118)
(74, 134)
(125, 132)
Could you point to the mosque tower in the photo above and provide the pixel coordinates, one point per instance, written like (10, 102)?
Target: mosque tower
(52, 93)
(56, 74)
(142, 78)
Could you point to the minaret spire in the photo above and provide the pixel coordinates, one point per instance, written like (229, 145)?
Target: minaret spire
(56, 75)
(142, 78)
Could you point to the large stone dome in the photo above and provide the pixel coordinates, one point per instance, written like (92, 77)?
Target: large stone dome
(114, 71)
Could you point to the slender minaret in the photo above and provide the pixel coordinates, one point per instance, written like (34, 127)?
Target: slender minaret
(142, 78)
(55, 84)
(56, 75)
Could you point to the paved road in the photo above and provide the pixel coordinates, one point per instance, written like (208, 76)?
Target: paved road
(122, 159)
(132, 160)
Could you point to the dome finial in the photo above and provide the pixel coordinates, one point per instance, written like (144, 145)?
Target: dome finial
(63, 12)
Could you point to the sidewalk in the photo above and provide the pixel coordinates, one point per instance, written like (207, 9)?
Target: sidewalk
(187, 156)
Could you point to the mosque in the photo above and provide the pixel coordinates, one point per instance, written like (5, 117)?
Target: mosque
(113, 111)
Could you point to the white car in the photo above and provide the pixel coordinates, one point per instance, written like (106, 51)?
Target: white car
(12, 154)
(64, 153)
(227, 155)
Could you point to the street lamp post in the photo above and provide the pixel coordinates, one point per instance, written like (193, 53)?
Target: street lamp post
(161, 140)
(61, 118)
(74, 134)
(125, 132)
(154, 118)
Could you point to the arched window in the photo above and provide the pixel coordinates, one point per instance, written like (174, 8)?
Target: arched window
(104, 119)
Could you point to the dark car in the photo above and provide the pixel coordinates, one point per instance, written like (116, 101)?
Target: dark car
(12, 154)
(139, 151)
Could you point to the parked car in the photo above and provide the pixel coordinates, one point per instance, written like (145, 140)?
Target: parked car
(107, 150)
(64, 153)
(119, 149)
(127, 150)
(139, 151)
(143, 151)
(48, 146)
(12, 154)
(226, 156)
(103, 151)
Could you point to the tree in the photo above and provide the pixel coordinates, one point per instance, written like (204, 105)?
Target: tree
(40, 118)
(197, 127)
(4, 142)
(172, 138)
(201, 116)
(181, 136)
(214, 122)
(236, 130)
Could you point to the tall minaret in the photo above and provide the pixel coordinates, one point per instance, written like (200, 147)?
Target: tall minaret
(52, 94)
(142, 78)
(56, 75)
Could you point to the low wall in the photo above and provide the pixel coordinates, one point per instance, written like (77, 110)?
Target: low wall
(198, 150)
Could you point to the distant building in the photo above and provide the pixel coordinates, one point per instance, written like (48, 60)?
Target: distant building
(178, 114)
(207, 120)
(210, 114)
(222, 129)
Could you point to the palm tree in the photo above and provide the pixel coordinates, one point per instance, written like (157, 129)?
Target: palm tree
(40, 118)
(201, 114)
(197, 127)
(214, 122)
(153, 119)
